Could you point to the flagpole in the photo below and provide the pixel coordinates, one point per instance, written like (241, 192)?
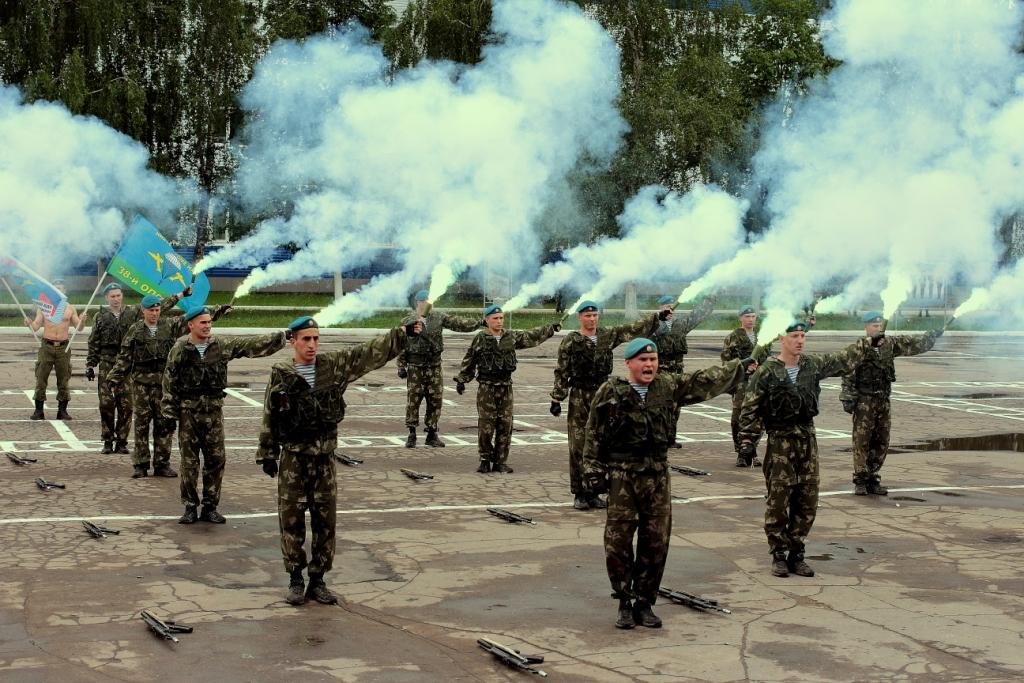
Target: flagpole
(73, 333)
(20, 308)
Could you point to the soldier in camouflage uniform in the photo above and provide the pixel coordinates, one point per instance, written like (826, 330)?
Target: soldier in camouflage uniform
(628, 435)
(194, 381)
(421, 366)
(742, 343)
(782, 400)
(302, 407)
(108, 331)
(491, 358)
(671, 339)
(54, 355)
(584, 363)
(865, 395)
(141, 363)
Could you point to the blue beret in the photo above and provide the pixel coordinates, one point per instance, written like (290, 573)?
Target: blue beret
(638, 346)
(150, 301)
(745, 310)
(492, 309)
(111, 287)
(872, 317)
(797, 326)
(588, 305)
(421, 295)
(662, 300)
(195, 312)
(302, 323)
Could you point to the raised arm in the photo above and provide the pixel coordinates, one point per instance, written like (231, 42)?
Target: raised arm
(369, 356)
(698, 315)
(253, 346)
(456, 324)
(843, 362)
(912, 345)
(526, 339)
(694, 387)
(644, 327)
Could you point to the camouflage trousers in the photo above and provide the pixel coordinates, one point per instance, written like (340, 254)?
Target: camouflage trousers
(494, 421)
(791, 475)
(307, 483)
(50, 358)
(872, 419)
(146, 406)
(115, 404)
(423, 383)
(737, 406)
(640, 504)
(201, 430)
(576, 423)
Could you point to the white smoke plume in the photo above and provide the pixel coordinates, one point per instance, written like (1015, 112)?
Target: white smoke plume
(663, 235)
(450, 165)
(67, 184)
(902, 163)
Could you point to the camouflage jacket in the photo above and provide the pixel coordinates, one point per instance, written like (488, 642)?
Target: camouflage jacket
(425, 349)
(670, 335)
(738, 346)
(304, 419)
(775, 404)
(627, 432)
(143, 357)
(108, 330)
(194, 382)
(493, 361)
(875, 374)
(586, 365)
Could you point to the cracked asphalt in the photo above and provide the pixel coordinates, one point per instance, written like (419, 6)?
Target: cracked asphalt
(924, 585)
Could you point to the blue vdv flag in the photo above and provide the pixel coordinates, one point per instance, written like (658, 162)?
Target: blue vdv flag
(47, 298)
(147, 263)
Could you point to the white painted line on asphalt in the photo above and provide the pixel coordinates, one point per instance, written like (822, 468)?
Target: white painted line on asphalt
(235, 393)
(484, 506)
(64, 432)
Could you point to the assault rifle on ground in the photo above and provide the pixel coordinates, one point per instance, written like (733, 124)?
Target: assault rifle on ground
(512, 658)
(164, 629)
(18, 460)
(48, 485)
(415, 476)
(692, 601)
(689, 471)
(510, 516)
(98, 531)
(345, 460)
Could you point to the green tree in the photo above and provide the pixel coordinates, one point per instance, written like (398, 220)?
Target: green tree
(455, 30)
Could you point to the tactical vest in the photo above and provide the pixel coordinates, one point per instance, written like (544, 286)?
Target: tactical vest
(151, 352)
(787, 404)
(743, 346)
(496, 362)
(109, 331)
(591, 364)
(206, 376)
(671, 344)
(302, 413)
(426, 348)
(641, 428)
(876, 373)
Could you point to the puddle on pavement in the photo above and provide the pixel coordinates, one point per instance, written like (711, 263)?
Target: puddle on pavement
(824, 557)
(1003, 538)
(910, 498)
(977, 396)
(1011, 441)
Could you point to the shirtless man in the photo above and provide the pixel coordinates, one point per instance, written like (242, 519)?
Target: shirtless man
(53, 353)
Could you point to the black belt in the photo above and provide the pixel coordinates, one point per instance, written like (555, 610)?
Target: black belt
(661, 456)
(54, 342)
(505, 377)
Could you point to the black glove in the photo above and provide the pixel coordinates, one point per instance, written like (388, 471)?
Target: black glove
(402, 373)
(170, 426)
(849, 406)
(878, 341)
(745, 363)
(938, 333)
(288, 334)
(270, 467)
(221, 311)
(747, 450)
(460, 388)
(410, 329)
(90, 374)
(556, 408)
(596, 484)
(187, 292)
(557, 327)
(665, 315)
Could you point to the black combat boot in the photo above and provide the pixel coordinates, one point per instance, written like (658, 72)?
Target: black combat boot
(62, 411)
(190, 516)
(797, 566)
(624, 618)
(779, 565)
(875, 488)
(580, 503)
(37, 414)
(501, 469)
(141, 471)
(211, 515)
(675, 444)
(860, 487)
(433, 440)
(597, 503)
(756, 462)
(164, 471)
(121, 447)
(296, 589)
(485, 467)
(108, 448)
(318, 590)
(411, 441)
(741, 461)
(644, 615)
